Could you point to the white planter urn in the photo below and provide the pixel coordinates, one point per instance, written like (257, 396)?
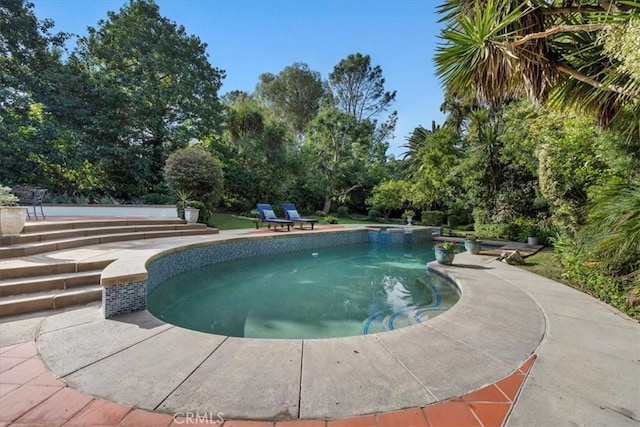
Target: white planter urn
(532, 241)
(191, 215)
(12, 220)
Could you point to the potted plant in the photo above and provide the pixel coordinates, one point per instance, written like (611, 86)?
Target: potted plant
(472, 244)
(445, 252)
(12, 217)
(408, 214)
(192, 211)
(183, 199)
(532, 238)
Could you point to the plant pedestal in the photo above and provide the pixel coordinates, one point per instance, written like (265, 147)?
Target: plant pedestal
(12, 220)
(191, 215)
(473, 246)
(445, 256)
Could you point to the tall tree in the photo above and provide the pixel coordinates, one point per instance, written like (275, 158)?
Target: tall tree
(37, 145)
(295, 93)
(154, 84)
(340, 146)
(358, 88)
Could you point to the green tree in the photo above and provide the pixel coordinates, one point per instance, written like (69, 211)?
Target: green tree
(340, 148)
(501, 49)
(358, 89)
(150, 89)
(437, 156)
(295, 93)
(390, 195)
(38, 146)
(255, 152)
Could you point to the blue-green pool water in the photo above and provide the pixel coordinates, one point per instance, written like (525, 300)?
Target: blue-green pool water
(332, 292)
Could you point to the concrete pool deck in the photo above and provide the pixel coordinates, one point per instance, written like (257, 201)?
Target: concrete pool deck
(587, 369)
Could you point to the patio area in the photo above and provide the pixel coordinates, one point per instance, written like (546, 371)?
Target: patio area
(471, 366)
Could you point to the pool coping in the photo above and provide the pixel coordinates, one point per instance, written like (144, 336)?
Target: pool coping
(492, 330)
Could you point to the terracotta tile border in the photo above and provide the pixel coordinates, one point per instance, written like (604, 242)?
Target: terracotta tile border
(39, 397)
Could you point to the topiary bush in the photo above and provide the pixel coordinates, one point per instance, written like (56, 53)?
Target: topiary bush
(196, 171)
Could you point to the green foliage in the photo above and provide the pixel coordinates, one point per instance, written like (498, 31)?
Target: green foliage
(617, 291)
(390, 195)
(373, 214)
(342, 212)
(432, 217)
(612, 233)
(145, 87)
(6, 197)
(194, 170)
(330, 219)
(432, 167)
(157, 199)
(408, 213)
(295, 93)
(501, 49)
(338, 150)
(358, 88)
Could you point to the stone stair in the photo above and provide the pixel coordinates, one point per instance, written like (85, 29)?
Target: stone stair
(48, 287)
(47, 284)
(37, 238)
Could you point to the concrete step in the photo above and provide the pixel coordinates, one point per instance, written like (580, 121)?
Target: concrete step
(32, 248)
(49, 300)
(54, 268)
(47, 283)
(97, 231)
(40, 227)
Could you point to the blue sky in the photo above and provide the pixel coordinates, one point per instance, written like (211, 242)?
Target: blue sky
(249, 37)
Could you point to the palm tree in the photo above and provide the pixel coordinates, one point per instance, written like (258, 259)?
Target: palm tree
(411, 162)
(497, 50)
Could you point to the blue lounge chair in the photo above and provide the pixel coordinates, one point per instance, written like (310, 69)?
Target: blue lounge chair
(268, 216)
(291, 213)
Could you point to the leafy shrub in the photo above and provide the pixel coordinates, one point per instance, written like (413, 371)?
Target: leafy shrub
(6, 197)
(467, 227)
(453, 221)
(491, 230)
(157, 199)
(342, 212)
(330, 219)
(588, 276)
(432, 217)
(373, 214)
(195, 170)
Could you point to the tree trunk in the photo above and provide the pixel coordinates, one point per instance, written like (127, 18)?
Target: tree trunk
(327, 204)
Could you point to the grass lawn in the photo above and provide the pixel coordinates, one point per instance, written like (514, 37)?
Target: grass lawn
(547, 264)
(227, 221)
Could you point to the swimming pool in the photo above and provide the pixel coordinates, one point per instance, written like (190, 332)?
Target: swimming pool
(329, 292)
